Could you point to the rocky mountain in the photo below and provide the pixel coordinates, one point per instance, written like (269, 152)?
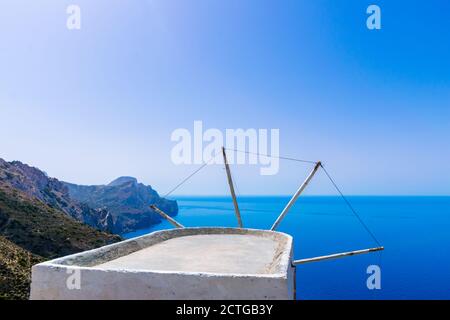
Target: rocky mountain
(121, 206)
(35, 183)
(126, 200)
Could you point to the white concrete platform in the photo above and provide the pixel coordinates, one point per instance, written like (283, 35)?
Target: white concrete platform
(189, 263)
(226, 253)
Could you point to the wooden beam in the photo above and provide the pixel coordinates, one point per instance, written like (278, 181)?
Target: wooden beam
(336, 255)
(296, 195)
(230, 183)
(167, 217)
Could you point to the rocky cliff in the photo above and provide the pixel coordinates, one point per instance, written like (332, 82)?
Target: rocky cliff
(35, 183)
(126, 200)
(121, 206)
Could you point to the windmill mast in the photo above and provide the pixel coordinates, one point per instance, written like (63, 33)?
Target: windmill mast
(233, 194)
(296, 195)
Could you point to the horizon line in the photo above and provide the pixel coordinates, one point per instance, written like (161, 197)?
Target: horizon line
(309, 195)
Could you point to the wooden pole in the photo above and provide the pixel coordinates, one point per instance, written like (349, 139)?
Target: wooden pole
(230, 183)
(336, 255)
(167, 217)
(296, 195)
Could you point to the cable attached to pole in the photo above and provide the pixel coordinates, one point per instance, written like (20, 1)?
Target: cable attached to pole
(189, 176)
(270, 156)
(290, 159)
(351, 207)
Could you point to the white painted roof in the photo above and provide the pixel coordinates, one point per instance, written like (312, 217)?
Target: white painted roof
(215, 253)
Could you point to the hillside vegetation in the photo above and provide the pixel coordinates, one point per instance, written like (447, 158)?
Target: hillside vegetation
(43, 230)
(31, 232)
(15, 265)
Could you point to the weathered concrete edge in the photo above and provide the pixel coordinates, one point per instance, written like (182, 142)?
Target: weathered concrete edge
(96, 256)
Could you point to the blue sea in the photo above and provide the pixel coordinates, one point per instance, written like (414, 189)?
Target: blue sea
(415, 232)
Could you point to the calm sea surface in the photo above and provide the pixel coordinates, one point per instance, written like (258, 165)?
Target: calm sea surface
(415, 232)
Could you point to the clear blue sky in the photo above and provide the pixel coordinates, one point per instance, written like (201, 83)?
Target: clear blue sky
(87, 106)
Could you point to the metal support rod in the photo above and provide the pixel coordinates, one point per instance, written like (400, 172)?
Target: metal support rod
(336, 255)
(167, 217)
(230, 183)
(296, 195)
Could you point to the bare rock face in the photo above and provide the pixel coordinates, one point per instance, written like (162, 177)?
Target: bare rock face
(35, 183)
(126, 200)
(119, 207)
